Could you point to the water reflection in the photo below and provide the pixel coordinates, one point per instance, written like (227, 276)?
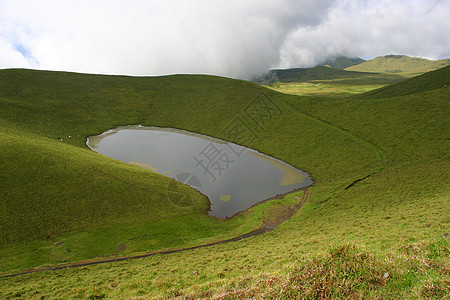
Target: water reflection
(233, 177)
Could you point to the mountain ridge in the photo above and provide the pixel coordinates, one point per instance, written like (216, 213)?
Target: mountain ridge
(399, 64)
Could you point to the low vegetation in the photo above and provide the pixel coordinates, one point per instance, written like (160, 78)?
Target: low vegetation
(399, 64)
(375, 224)
(431, 80)
(331, 84)
(329, 88)
(326, 73)
(344, 77)
(343, 62)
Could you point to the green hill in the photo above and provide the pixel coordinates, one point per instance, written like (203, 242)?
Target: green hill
(399, 64)
(332, 69)
(323, 73)
(310, 74)
(62, 192)
(374, 226)
(425, 82)
(343, 62)
(325, 81)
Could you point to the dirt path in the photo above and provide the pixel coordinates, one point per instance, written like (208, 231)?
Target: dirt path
(269, 224)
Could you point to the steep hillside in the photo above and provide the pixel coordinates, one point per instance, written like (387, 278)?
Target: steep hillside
(428, 81)
(375, 224)
(60, 193)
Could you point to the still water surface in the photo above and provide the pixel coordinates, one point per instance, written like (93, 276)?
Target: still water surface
(232, 176)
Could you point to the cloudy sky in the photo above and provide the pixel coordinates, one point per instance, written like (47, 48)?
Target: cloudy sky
(235, 38)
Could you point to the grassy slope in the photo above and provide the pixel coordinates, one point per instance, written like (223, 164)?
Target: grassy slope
(428, 81)
(328, 88)
(396, 216)
(344, 62)
(399, 64)
(326, 81)
(61, 192)
(322, 73)
(60, 199)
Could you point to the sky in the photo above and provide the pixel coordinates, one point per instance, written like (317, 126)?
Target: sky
(233, 38)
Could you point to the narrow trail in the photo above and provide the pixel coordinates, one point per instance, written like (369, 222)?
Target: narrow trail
(268, 225)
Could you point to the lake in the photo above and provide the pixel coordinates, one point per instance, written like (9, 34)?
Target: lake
(233, 177)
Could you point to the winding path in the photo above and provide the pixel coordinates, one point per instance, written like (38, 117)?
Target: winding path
(267, 226)
(379, 153)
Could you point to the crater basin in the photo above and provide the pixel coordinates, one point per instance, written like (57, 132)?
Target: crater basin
(232, 176)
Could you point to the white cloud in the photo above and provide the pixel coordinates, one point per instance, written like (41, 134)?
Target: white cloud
(372, 28)
(232, 38)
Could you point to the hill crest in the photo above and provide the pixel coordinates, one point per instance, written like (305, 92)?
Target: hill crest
(399, 64)
(343, 62)
(421, 83)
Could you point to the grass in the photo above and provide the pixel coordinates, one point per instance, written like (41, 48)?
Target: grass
(321, 88)
(316, 73)
(344, 62)
(358, 77)
(399, 64)
(379, 203)
(431, 80)
(325, 81)
(60, 192)
(323, 73)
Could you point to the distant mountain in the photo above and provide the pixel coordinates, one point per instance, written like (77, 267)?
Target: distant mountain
(399, 64)
(320, 72)
(344, 62)
(325, 73)
(425, 82)
(306, 74)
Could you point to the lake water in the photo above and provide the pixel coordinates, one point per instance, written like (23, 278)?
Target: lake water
(233, 177)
